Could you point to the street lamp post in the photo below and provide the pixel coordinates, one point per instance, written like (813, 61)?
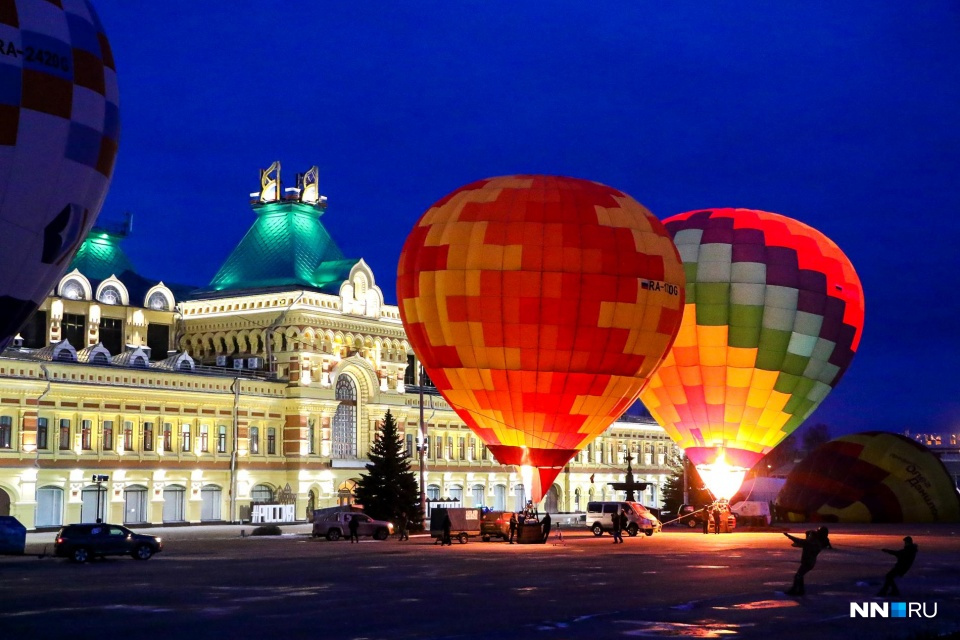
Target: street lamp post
(421, 450)
(98, 479)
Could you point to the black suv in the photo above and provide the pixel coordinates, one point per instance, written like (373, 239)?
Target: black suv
(81, 542)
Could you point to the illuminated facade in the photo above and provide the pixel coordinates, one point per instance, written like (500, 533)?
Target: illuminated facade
(266, 386)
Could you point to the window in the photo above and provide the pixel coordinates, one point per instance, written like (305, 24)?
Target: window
(410, 373)
(433, 492)
(261, 493)
(426, 447)
(409, 441)
(204, 446)
(185, 438)
(6, 432)
(463, 448)
(72, 290)
(345, 419)
(73, 328)
(167, 436)
(64, 434)
(449, 447)
(311, 436)
(439, 440)
(271, 441)
(254, 440)
(158, 302)
(35, 331)
(107, 435)
(128, 436)
(478, 495)
(111, 334)
(42, 433)
(148, 436)
(222, 439)
(158, 339)
(86, 429)
(110, 295)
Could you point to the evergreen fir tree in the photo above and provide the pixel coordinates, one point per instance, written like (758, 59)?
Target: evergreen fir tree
(389, 487)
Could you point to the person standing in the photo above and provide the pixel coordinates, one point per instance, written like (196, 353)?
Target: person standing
(403, 522)
(354, 526)
(717, 519)
(617, 522)
(705, 520)
(905, 558)
(446, 530)
(513, 526)
(812, 545)
(546, 527)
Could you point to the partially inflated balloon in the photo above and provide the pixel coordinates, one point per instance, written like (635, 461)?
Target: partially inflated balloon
(774, 314)
(539, 306)
(871, 477)
(59, 125)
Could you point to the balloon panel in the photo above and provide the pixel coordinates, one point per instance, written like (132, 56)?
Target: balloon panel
(871, 477)
(538, 306)
(59, 128)
(773, 316)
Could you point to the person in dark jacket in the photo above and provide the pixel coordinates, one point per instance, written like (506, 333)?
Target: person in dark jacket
(617, 522)
(446, 530)
(354, 526)
(513, 527)
(905, 558)
(717, 519)
(705, 520)
(403, 523)
(546, 527)
(812, 545)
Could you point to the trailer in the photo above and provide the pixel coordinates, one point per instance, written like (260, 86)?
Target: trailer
(464, 523)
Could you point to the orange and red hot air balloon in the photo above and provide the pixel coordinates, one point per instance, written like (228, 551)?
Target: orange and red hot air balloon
(539, 306)
(774, 313)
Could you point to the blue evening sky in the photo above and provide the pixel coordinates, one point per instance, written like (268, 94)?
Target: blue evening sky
(842, 114)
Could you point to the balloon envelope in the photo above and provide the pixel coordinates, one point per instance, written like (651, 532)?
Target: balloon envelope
(871, 477)
(773, 316)
(59, 126)
(539, 306)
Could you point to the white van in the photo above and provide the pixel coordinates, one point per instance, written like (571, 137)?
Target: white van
(639, 518)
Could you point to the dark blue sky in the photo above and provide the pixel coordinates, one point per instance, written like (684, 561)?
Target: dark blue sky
(844, 116)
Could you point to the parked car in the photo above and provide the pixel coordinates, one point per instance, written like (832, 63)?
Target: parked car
(82, 542)
(690, 516)
(639, 518)
(336, 525)
(495, 524)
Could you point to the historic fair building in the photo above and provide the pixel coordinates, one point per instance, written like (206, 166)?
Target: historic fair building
(266, 387)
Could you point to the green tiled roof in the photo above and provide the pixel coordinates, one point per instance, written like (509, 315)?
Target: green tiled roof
(287, 246)
(101, 256)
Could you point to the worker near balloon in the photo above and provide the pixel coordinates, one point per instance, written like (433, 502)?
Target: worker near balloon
(542, 306)
(59, 130)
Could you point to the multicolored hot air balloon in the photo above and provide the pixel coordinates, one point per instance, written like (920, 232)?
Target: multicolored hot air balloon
(59, 126)
(871, 477)
(774, 314)
(539, 306)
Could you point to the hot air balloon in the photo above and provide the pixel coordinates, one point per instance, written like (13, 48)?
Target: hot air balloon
(871, 477)
(774, 313)
(539, 306)
(59, 126)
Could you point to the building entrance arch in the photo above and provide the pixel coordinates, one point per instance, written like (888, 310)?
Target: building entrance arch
(4, 503)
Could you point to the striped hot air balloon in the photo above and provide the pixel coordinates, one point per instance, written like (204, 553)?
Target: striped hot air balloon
(774, 313)
(539, 306)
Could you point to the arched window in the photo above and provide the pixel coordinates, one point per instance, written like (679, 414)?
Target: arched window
(135, 504)
(456, 493)
(345, 419)
(500, 498)
(49, 507)
(158, 302)
(174, 501)
(433, 492)
(110, 295)
(521, 497)
(212, 497)
(345, 492)
(72, 290)
(478, 495)
(261, 493)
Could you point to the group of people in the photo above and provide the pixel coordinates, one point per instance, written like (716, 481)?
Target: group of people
(817, 540)
(524, 519)
(713, 514)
